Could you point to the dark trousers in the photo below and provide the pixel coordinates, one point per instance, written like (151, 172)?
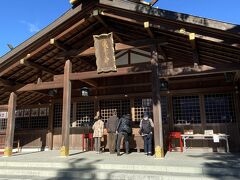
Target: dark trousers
(111, 142)
(126, 141)
(148, 143)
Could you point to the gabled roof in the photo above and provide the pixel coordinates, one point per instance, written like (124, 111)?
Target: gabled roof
(215, 44)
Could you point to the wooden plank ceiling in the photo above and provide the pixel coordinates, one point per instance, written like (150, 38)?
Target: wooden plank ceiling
(189, 41)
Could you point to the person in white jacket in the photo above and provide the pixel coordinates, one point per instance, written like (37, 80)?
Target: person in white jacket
(98, 127)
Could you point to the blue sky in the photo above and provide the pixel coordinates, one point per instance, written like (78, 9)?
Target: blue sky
(20, 19)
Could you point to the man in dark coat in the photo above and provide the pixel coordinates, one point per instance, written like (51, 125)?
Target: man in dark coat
(124, 129)
(111, 129)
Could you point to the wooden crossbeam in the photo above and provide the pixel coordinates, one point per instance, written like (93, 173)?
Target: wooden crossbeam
(6, 82)
(196, 71)
(91, 82)
(41, 86)
(125, 85)
(150, 33)
(34, 65)
(146, 26)
(96, 14)
(137, 69)
(194, 48)
(59, 44)
(166, 27)
(128, 45)
(58, 79)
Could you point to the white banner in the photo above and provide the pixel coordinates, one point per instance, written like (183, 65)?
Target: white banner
(3, 115)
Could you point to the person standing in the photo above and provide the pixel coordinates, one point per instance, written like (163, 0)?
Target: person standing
(146, 130)
(97, 133)
(124, 129)
(111, 126)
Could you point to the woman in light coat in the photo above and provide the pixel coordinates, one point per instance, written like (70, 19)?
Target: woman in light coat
(97, 133)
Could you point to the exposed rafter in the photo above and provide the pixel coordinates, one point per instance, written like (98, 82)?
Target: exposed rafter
(129, 45)
(6, 82)
(194, 48)
(34, 65)
(151, 34)
(91, 82)
(59, 44)
(96, 14)
(171, 28)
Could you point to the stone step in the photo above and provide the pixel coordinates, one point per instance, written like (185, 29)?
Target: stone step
(90, 174)
(80, 166)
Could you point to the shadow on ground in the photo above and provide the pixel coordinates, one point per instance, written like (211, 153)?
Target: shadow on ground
(220, 165)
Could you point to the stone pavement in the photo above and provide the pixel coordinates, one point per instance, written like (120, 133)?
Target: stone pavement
(89, 165)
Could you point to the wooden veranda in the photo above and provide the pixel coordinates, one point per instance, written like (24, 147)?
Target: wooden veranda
(164, 60)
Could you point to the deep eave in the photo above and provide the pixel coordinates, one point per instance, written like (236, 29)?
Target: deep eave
(217, 41)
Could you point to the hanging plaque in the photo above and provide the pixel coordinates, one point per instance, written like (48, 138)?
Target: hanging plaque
(104, 52)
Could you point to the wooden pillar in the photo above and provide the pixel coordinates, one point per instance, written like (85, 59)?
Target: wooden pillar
(50, 125)
(66, 108)
(10, 124)
(157, 112)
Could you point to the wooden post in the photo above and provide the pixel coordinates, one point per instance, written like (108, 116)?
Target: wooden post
(10, 124)
(66, 109)
(157, 112)
(50, 125)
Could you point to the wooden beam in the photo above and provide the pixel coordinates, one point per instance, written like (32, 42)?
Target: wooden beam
(192, 40)
(150, 33)
(166, 70)
(9, 68)
(146, 26)
(137, 69)
(59, 44)
(10, 124)
(128, 45)
(124, 85)
(58, 79)
(34, 65)
(157, 112)
(174, 28)
(6, 82)
(41, 86)
(4, 70)
(91, 82)
(196, 70)
(141, 10)
(120, 55)
(96, 14)
(66, 112)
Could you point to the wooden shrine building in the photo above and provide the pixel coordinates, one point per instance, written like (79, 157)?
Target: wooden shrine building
(182, 69)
